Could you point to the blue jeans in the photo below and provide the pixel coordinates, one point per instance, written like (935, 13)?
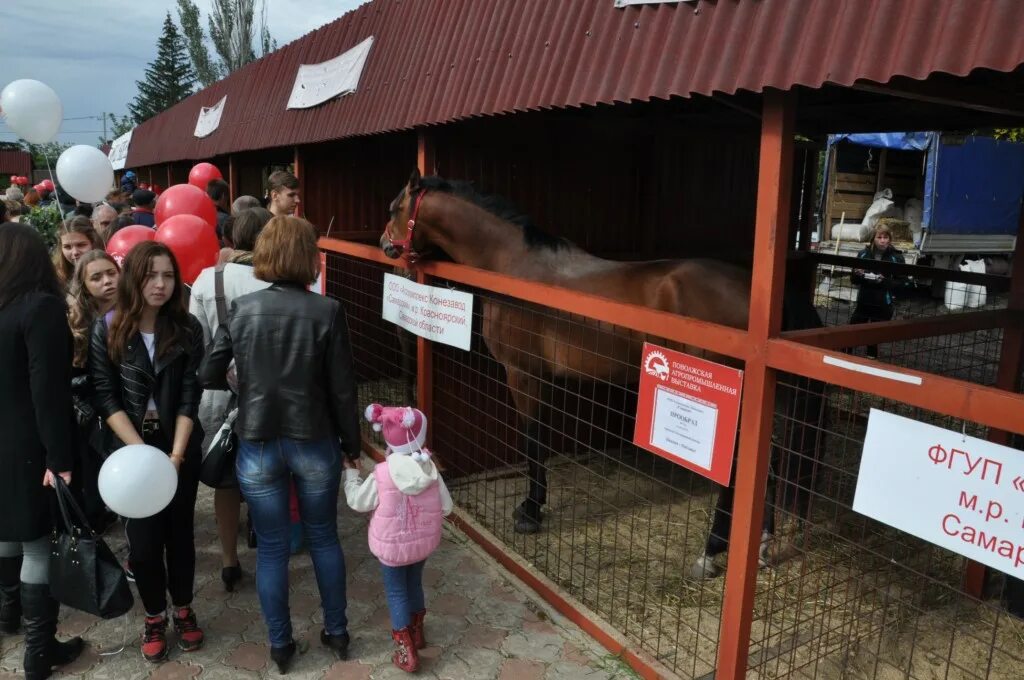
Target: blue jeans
(403, 588)
(263, 470)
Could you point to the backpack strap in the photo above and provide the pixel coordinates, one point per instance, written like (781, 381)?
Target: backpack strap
(218, 295)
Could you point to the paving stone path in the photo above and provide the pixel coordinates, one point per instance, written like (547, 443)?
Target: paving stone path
(480, 624)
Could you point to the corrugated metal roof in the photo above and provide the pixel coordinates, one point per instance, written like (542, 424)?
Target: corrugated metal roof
(435, 61)
(14, 163)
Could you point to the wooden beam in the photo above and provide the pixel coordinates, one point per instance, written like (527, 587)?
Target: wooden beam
(300, 175)
(838, 337)
(232, 178)
(970, 97)
(775, 173)
(983, 405)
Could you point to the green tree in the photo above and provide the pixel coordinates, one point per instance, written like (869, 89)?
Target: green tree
(118, 126)
(232, 26)
(169, 78)
(42, 152)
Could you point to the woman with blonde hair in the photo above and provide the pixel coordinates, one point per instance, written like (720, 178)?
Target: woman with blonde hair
(93, 293)
(75, 237)
(296, 400)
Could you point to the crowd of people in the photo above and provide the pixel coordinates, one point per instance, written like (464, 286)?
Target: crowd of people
(97, 356)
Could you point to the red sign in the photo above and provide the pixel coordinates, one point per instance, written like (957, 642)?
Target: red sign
(688, 411)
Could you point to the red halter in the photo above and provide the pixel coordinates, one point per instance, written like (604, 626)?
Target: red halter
(406, 243)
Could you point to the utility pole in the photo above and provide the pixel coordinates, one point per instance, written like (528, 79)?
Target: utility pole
(103, 116)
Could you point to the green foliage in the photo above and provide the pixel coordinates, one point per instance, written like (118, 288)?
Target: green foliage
(45, 221)
(1009, 134)
(42, 152)
(232, 26)
(169, 78)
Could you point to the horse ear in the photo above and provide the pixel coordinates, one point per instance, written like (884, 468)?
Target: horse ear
(414, 180)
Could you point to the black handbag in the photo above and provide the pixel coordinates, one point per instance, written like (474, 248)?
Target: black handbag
(84, 573)
(218, 467)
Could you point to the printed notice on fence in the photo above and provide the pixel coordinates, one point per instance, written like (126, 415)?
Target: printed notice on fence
(958, 492)
(688, 411)
(437, 314)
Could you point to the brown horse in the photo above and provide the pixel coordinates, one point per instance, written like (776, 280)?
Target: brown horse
(432, 214)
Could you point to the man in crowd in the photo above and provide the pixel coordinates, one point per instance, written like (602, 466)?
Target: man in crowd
(244, 203)
(145, 201)
(220, 193)
(102, 217)
(283, 188)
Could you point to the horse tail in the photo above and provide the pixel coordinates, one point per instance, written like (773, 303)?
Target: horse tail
(801, 405)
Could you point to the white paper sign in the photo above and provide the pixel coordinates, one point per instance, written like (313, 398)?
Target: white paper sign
(119, 150)
(684, 426)
(961, 493)
(209, 118)
(438, 314)
(316, 83)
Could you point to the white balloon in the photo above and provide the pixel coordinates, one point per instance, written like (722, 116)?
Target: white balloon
(85, 173)
(32, 109)
(137, 481)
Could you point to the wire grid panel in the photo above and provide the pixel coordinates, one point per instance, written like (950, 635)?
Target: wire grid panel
(621, 526)
(971, 356)
(384, 355)
(845, 596)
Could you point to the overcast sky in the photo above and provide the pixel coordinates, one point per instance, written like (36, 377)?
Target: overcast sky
(92, 51)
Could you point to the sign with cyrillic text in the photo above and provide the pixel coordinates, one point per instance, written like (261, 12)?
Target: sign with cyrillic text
(959, 492)
(209, 118)
(119, 150)
(316, 83)
(437, 314)
(688, 411)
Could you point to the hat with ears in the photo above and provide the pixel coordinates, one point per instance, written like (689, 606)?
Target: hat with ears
(404, 428)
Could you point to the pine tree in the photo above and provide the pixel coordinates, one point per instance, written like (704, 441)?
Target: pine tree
(169, 78)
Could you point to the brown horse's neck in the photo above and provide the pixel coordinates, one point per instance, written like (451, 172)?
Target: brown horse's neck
(472, 236)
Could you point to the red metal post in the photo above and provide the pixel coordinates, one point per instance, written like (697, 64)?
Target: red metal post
(770, 240)
(297, 165)
(424, 354)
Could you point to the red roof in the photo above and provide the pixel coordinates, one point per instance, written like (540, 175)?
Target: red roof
(435, 61)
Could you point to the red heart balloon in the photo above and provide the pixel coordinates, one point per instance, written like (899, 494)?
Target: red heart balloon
(193, 242)
(127, 238)
(202, 174)
(185, 199)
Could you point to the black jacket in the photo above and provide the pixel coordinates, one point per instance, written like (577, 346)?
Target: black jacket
(877, 294)
(294, 363)
(36, 420)
(172, 382)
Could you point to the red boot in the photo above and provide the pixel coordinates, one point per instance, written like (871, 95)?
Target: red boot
(405, 657)
(416, 629)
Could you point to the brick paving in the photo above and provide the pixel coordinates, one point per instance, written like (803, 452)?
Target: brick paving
(480, 624)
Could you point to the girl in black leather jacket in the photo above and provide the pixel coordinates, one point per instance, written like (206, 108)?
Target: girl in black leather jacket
(143, 360)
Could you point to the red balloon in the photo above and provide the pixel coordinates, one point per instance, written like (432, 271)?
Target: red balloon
(127, 238)
(157, 189)
(48, 183)
(193, 242)
(23, 180)
(185, 199)
(202, 173)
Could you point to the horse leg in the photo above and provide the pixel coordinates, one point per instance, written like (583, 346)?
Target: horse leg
(526, 395)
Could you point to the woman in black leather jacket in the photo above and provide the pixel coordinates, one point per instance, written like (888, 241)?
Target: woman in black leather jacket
(296, 399)
(143, 365)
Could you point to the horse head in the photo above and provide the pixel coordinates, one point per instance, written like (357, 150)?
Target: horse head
(400, 236)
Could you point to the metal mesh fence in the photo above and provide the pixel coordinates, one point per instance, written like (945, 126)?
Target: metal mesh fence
(845, 596)
(839, 595)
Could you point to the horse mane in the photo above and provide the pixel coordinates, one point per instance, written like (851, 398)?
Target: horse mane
(500, 207)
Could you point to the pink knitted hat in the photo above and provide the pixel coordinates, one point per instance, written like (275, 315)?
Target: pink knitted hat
(404, 428)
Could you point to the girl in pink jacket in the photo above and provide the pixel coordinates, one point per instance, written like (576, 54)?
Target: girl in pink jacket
(408, 500)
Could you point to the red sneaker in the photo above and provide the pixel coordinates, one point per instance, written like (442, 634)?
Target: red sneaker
(154, 639)
(190, 635)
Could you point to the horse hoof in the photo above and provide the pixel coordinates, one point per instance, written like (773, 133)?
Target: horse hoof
(704, 568)
(526, 525)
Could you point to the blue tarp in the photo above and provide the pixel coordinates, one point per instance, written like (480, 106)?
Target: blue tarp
(908, 141)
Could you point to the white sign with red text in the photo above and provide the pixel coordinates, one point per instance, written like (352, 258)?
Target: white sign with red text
(437, 314)
(959, 492)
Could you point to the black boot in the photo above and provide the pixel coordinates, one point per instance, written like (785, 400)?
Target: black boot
(10, 594)
(42, 650)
